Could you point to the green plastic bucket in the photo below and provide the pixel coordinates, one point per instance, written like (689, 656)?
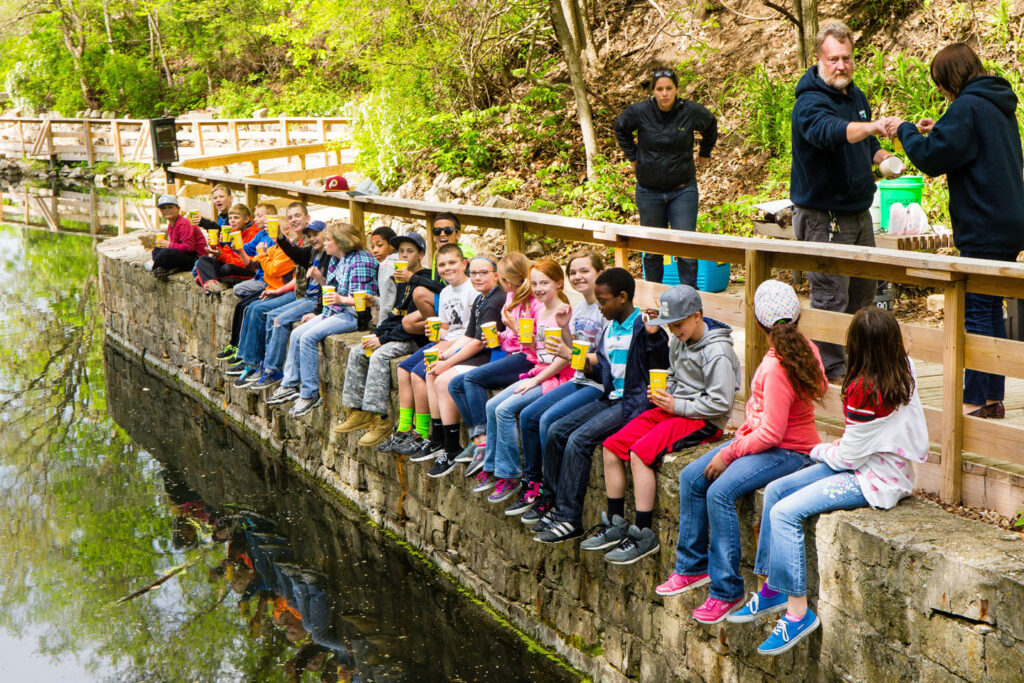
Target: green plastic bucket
(905, 190)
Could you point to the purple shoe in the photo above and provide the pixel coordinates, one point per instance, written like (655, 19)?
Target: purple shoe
(504, 489)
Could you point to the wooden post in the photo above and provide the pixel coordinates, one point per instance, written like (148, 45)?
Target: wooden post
(93, 219)
(252, 196)
(759, 269)
(234, 133)
(21, 138)
(88, 141)
(355, 214)
(255, 167)
(115, 129)
(197, 133)
(284, 131)
(323, 139)
(121, 224)
(955, 337)
(515, 236)
(429, 220)
(621, 254)
(28, 207)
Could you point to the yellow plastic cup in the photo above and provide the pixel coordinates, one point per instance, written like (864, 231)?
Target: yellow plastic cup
(213, 236)
(360, 299)
(161, 236)
(490, 332)
(236, 241)
(193, 217)
(327, 289)
(579, 354)
(401, 265)
(659, 380)
(225, 234)
(433, 328)
(551, 337)
(272, 227)
(366, 350)
(897, 146)
(525, 330)
(430, 357)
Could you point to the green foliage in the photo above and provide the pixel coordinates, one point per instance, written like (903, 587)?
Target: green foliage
(765, 110)
(504, 186)
(607, 196)
(129, 83)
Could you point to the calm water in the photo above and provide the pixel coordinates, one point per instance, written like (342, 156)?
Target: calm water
(110, 479)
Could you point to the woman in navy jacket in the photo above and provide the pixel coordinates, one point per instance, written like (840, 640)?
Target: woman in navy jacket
(657, 136)
(977, 145)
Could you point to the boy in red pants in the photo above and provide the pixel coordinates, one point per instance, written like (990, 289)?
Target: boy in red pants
(703, 378)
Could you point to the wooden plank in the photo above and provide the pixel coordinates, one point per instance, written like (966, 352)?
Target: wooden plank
(234, 135)
(21, 138)
(250, 155)
(952, 398)
(252, 196)
(198, 133)
(88, 142)
(759, 269)
(355, 215)
(515, 237)
(120, 216)
(307, 174)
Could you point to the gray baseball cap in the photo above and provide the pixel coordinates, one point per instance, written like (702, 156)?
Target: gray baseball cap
(677, 303)
(166, 200)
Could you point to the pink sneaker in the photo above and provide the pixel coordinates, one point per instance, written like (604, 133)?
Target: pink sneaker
(677, 583)
(714, 610)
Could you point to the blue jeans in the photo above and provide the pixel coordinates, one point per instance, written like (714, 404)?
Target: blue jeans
(787, 503)
(469, 390)
(663, 208)
(277, 334)
(502, 454)
(536, 419)
(416, 363)
(707, 512)
(983, 314)
(252, 344)
(302, 368)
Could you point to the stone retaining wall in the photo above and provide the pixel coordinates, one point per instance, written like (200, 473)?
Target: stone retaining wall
(910, 594)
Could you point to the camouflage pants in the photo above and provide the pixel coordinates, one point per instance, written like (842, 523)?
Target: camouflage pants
(368, 380)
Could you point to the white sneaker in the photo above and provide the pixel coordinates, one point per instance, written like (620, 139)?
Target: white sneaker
(148, 265)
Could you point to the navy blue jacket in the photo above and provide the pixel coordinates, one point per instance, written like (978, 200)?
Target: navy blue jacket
(646, 351)
(977, 145)
(829, 173)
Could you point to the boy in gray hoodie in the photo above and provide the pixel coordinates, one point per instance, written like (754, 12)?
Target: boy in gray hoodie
(702, 383)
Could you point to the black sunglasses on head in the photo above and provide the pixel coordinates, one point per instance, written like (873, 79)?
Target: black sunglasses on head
(446, 230)
(664, 73)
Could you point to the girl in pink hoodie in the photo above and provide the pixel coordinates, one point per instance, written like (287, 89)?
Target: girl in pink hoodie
(775, 439)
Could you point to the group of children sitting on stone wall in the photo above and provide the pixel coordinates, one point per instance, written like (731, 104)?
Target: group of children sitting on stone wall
(637, 384)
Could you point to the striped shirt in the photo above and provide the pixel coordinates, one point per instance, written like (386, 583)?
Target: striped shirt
(617, 338)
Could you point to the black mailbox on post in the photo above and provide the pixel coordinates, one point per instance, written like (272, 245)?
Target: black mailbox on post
(165, 141)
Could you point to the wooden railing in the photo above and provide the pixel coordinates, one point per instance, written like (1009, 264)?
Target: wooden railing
(68, 210)
(130, 140)
(950, 346)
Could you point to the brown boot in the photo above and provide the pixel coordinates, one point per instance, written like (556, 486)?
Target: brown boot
(357, 419)
(380, 429)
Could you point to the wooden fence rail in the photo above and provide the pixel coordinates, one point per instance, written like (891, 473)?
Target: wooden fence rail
(949, 346)
(130, 140)
(67, 210)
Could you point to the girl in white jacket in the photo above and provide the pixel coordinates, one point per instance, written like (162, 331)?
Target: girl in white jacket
(872, 464)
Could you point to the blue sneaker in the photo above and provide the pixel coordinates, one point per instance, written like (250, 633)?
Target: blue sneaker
(267, 379)
(787, 633)
(758, 606)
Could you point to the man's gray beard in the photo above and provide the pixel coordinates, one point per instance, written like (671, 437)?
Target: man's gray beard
(837, 82)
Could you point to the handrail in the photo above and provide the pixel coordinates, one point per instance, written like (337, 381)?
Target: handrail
(952, 275)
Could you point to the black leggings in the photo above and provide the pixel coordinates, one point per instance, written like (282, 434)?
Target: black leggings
(173, 259)
(209, 268)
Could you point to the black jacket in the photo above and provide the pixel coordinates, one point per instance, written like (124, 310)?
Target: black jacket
(390, 328)
(663, 148)
(304, 258)
(646, 351)
(828, 173)
(977, 145)
(207, 224)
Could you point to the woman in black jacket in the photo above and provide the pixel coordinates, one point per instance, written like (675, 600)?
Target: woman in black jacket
(977, 145)
(657, 136)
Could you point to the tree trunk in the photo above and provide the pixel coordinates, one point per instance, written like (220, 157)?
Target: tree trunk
(155, 23)
(579, 85)
(581, 30)
(809, 29)
(106, 25)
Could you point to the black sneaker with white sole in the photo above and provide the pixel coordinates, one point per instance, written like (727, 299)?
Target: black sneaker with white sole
(443, 464)
(388, 444)
(537, 512)
(559, 532)
(427, 450)
(544, 522)
(236, 370)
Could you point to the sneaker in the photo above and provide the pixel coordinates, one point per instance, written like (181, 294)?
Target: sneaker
(388, 445)
(249, 376)
(148, 265)
(443, 464)
(466, 455)
(378, 430)
(606, 534)
(357, 419)
(411, 444)
(234, 361)
(504, 489)
(758, 606)
(283, 394)
(544, 522)
(714, 610)
(639, 544)
(228, 351)
(162, 273)
(788, 633)
(558, 532)
(677, 583)
(540, 508)
(306, 405)
(485, 481)
(427, 450)
(527, 497)
(477, 463)
(236, 370)
(267, 379)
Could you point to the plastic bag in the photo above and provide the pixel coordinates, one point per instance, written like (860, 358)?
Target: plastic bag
(907, 220)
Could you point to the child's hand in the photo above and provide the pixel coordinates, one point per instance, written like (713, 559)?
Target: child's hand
(371, 342)
(332, 299)
(439, 368)
(315, 273)
(558, 349)
(662, 399)
(403, 275)
(526, 385)
(309, 316)
(650, 314)
(563, 315)
(715, 467)
(510, 322)
(162, 244)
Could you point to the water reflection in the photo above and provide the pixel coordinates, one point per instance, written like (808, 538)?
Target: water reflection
(91, 210)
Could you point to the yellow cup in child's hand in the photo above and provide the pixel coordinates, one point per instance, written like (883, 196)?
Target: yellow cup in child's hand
(225, 233)
(236, 241)
(490, 332)
(366, 349)
(162, 236)
(433, 328)
(360, 300)
(659, 380)
(525, 330)
(193, 217)
(272, 227)
(430, 357)
(401, 265)
(328, 289)
(551, 339)
(213, 236)
(579, 354)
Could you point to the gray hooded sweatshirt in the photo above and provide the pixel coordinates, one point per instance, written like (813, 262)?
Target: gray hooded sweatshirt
(705, 376)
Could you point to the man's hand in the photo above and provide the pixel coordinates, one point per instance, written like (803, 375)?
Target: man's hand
(715, 467)
(925, 126)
